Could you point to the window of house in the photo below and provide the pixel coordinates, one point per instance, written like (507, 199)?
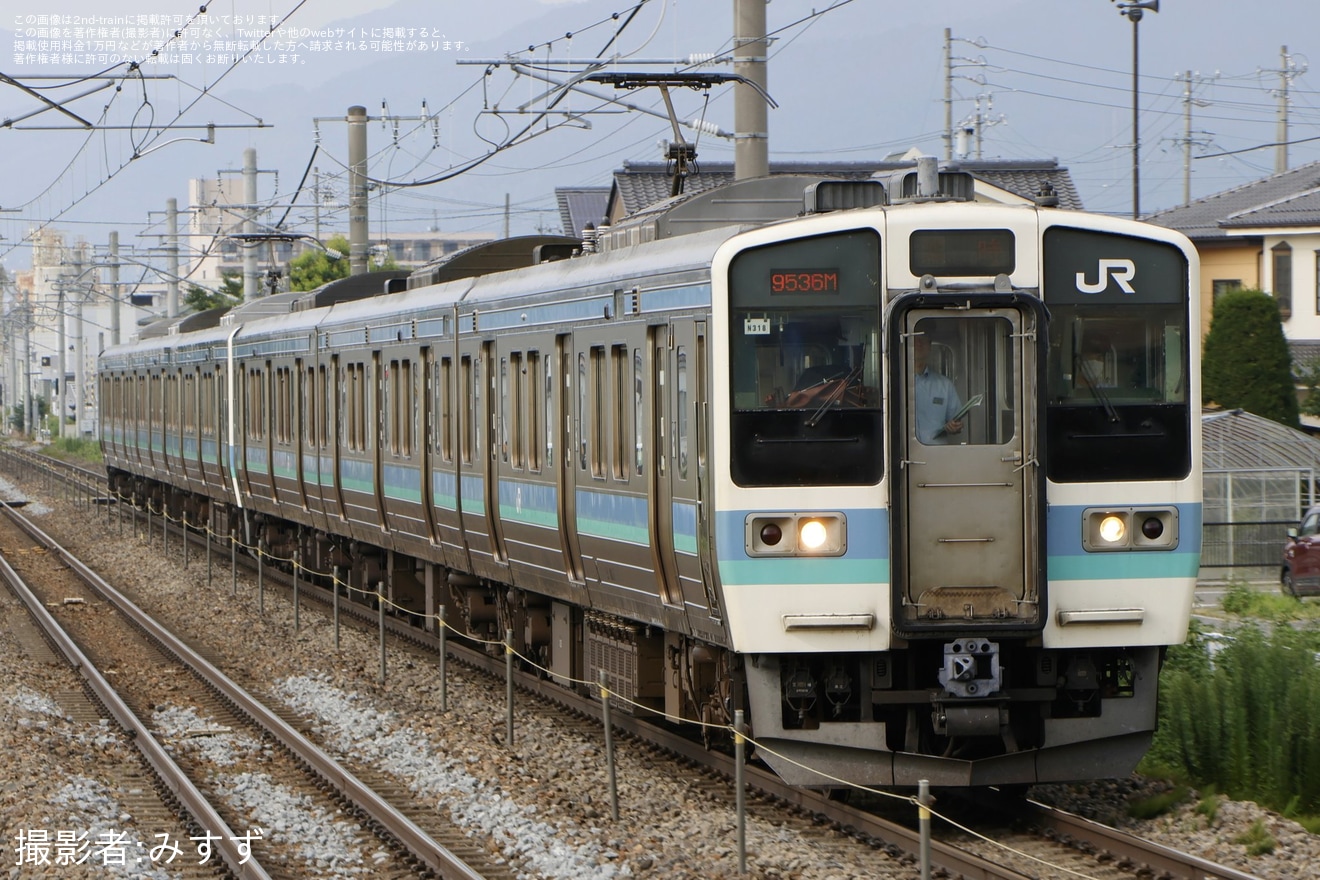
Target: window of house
(1221, 286)
(1281, 259)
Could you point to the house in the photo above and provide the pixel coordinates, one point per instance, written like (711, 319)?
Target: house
(580, 205)
(1263, 235)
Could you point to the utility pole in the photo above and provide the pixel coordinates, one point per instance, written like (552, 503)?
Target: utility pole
(172, 258)
(251, 282)
(751, 150)
(114, 287)
(948, 95)
(62, 398)
(316, 200)
(357, 190)
(1288, 71)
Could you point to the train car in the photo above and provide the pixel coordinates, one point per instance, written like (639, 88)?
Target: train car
(912, 479)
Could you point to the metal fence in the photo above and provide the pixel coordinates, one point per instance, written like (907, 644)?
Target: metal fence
(1246, 514)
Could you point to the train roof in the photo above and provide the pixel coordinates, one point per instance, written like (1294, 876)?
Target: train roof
(499, 255)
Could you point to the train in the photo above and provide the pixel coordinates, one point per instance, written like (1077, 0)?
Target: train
(909, 477)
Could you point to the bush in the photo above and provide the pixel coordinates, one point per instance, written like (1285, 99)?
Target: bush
(1245, 723)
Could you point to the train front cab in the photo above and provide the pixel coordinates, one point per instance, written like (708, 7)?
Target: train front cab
(961, 616)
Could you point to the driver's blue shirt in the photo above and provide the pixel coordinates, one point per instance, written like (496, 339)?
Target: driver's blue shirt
(937, 402)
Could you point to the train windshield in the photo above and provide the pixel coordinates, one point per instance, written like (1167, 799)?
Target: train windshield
(804, 362)
(1118, 365)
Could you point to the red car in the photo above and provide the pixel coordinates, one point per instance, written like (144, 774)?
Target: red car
(1300, 575)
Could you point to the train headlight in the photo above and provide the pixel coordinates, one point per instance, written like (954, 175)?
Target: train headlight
(1113, 529)
(1130, 528)
(796, 534)
(812, 535)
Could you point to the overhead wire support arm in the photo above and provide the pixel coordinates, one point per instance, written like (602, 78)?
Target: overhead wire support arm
(680, 152)
(51, 105)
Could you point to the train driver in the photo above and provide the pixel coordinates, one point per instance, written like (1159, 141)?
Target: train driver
(937, 401)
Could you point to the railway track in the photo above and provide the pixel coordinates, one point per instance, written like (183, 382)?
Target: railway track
(1042, 843)
(158, 676)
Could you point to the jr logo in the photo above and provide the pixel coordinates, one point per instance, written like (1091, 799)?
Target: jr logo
(1121, 270)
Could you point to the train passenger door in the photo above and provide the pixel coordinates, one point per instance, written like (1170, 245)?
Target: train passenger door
(305, 377)
(336, 435)
(677, 396)
(377, 404)
(559, 405)
(426, 362)
(968, 477)
(498, 444)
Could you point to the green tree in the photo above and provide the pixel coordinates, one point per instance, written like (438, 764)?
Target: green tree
(1247, 364)
(315, 267)
(229, 294)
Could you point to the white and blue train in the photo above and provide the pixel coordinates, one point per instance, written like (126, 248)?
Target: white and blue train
(912, 479)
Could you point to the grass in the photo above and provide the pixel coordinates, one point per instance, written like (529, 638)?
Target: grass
(75, 449)
(1156, 806)
(1208, 806)
(1243, 601)
(1257, 839)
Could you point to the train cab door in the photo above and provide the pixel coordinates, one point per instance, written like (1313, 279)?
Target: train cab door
(969, 486)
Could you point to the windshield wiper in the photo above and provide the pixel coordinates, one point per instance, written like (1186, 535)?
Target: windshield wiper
(835, 395)
(1098, 392)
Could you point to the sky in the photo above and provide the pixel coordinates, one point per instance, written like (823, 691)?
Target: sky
(853, 80)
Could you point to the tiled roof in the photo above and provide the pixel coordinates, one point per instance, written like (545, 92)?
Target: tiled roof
(1288, 198)
(1304, 353)
(580, 205)
(641, 184)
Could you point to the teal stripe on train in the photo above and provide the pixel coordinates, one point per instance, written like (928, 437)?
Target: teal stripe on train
(403, 482)
(528, 502)
(616, 517)
(444, 492)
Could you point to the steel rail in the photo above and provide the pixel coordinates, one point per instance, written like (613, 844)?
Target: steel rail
(1162, 861)
(419, 844)
(170, 774)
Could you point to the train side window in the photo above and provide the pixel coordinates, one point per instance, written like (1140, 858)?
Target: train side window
(638, 415)
(360, 407)
(535, 411)
(550, 425)
(620, 455)
(446, 410)
(582, 409)
(467, 422)
(307, 394)
(478, 414)
(347, 433)
(515, 406)
(598, 410)
(391, 405)
(284, 384)
(681, 380)
(189, 404)
(505, 406)
(409, 409)
(323, 394)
